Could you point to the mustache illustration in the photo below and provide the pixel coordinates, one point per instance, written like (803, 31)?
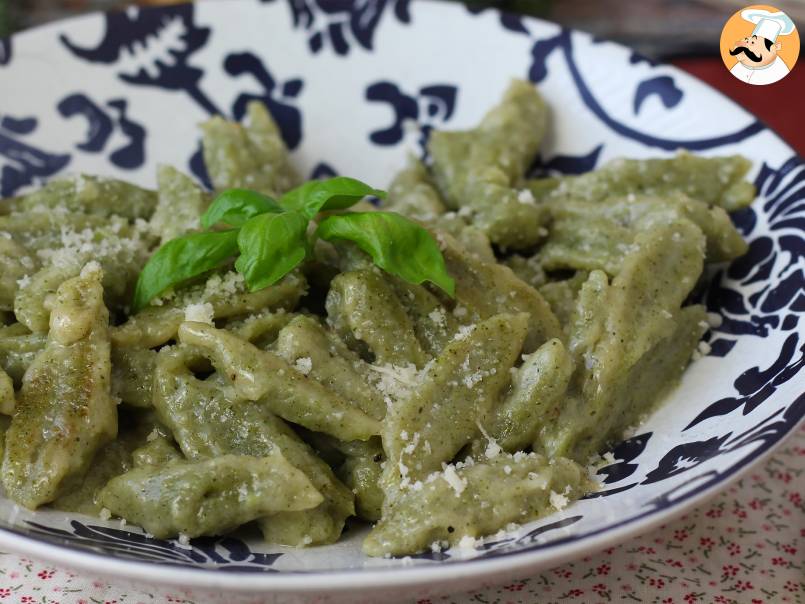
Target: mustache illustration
(743, 49)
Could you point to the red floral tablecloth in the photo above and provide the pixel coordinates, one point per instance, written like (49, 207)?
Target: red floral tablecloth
(746, 545)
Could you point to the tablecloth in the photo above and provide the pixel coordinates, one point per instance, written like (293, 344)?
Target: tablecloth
(746, 545)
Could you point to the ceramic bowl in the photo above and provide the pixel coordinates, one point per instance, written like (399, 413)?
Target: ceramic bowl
(355, 87)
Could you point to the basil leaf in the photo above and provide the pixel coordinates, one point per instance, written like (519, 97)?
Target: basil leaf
(336, 193)
(271, 245)
(181, 259)
(236, 206)
(396, 244)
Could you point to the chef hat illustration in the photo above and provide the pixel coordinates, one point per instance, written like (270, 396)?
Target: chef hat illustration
(768, 25)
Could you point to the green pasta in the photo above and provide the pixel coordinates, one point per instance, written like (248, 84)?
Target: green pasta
(7, 397)
(361, 471)
(413, 194)
(252, 156)
(92, 195)
(132, 374)
(225, 293)
(536, 396)
(208, 422)
(354, 386)
(179, 207)
(18, 349)
(16, 263)
(209, 497)
(111, 460)
(484, 289)
(589, 236)
(475, 500)
(65, 412)
(5, 421)
(711, 180)
(364, 309)
(258, 375)
(620, 324)
(432, 425)
(305, 344)
(478, 169)
(158, 450)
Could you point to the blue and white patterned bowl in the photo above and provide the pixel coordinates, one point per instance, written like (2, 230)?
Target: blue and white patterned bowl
(118, 94)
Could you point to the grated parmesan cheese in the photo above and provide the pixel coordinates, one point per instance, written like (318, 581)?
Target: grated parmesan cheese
(437, 316)
(90, 268)
(229, 284)
(526, 197)
(558, 500)
(100, 244)
(468, 542)
(410, 447)
(304, 365)
(456, 482)
(200, 313)
(463, 332)
(492, 447)
(395, 382)
(540, 481)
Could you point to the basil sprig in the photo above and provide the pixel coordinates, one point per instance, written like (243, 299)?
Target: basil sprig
(235, 206)
(396, 245)
(270, 237)
(271, 246)
(181, 259)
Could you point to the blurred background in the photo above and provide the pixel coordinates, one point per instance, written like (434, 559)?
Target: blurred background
(683, 32)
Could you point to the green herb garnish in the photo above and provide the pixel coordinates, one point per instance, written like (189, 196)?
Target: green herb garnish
(235, 206)
(270, 238)
(181, 259)
(397, 245)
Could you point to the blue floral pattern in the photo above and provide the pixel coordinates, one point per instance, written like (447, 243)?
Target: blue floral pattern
(341, 24)
(21, 164)
(431, 107)
(544, 48)
(5, 51)
(278, 97)
(774, 303)
(187, 56)
(162, 42)
(224, 552)
(663, 87)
